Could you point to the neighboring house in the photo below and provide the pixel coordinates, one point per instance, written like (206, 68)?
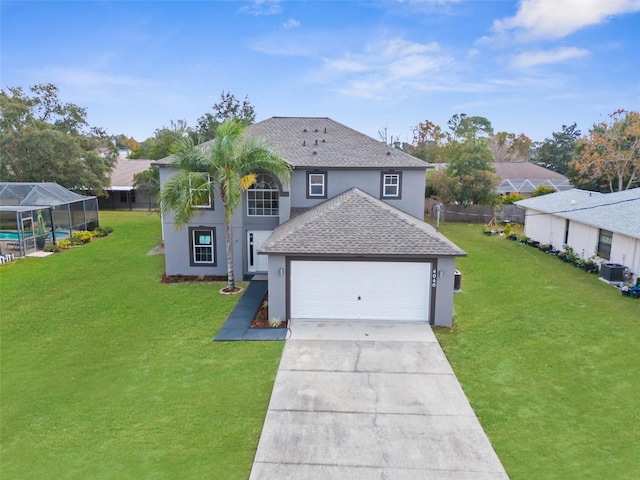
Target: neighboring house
(525, 177)
(121, 194)
(344, 239)
(605, 226)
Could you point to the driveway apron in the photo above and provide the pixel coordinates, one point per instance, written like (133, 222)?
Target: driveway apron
(370, 401)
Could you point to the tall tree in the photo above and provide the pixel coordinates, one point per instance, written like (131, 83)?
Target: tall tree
(611, 151)
(428, 139)
(556, 153)
(43, 139)
(470, 175)
(227, 107)
(465, 128)
(507, 147)
(147, 182)
(230, 161)
(159, 146)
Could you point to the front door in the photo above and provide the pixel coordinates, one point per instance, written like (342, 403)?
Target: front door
(255, 239)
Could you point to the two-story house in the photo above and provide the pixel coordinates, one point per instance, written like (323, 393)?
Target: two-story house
(344, 239)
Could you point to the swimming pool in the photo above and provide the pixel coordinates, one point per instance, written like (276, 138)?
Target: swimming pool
(15, 236)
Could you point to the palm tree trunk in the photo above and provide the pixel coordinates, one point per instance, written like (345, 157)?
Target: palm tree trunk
(231, 283)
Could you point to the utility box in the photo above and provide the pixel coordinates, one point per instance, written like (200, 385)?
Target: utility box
(612, 272)
(457, 281)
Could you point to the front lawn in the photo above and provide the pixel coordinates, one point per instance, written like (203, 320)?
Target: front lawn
(550, 359)
(109, 373)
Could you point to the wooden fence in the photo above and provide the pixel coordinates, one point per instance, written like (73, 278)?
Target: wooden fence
(474, 213)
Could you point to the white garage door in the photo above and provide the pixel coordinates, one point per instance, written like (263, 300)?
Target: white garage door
(360, 290)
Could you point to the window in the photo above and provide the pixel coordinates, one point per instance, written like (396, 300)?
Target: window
(316, 184)
(203, 246)
(263, 197)
(391, 185)
(604, 244)
(199, 190)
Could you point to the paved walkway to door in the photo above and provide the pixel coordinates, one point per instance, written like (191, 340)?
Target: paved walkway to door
(370, 401)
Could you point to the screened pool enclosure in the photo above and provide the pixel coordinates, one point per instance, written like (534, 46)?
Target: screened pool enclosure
(34, 215)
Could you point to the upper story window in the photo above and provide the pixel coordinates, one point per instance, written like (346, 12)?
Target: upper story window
(316, 184)
(605, 238)
(391, 185)
(199, 190)
(263, 197)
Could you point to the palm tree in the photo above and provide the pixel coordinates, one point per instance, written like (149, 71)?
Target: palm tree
(231, 161)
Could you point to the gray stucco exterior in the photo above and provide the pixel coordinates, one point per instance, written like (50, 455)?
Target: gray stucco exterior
(355, 216)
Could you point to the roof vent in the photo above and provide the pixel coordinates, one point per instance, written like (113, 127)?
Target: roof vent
(304, 129)
(323, 140)
(316, 141)
(304, 143)
(315, 153)
(325, 129)
(388, 153)
(316, 130)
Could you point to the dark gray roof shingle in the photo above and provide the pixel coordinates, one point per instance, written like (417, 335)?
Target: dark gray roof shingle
(356, 224)
(335, 145)
(319, 142)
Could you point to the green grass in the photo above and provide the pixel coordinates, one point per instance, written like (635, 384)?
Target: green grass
(550, 359)
(108, 373)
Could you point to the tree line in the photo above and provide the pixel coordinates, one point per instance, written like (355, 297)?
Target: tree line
(44, 139)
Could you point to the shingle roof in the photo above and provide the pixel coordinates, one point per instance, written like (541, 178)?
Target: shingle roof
(617, 212)
(320, 142)
(525, 170)
(356, 224)
(324, 143)
(125, 169)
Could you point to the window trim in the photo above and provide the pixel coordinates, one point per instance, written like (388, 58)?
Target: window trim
(324, 175)
(383, 193)
(276, 189)
(192, 246)
(605, 253)
(203, 206)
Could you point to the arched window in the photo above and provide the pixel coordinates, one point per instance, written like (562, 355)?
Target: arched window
(263, 197)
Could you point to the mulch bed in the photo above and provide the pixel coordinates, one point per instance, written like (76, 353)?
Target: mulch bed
(261, 319)
(192, 278)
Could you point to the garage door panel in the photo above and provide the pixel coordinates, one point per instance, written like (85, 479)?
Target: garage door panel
(360, 290)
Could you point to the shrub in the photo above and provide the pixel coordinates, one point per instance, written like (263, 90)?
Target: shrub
(510, 198)
(543, 190)
(82, 236)
(52, 248)
(101, 232)
(64, 244)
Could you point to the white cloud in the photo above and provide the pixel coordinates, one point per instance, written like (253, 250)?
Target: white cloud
(291, 23)
(262, 7)
(384, 68)
(545, 19)
(538, 57)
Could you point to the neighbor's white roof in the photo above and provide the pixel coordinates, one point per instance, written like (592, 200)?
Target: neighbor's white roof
(618, 212)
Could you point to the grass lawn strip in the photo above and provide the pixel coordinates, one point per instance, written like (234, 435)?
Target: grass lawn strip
(108, 373)
(549, 358)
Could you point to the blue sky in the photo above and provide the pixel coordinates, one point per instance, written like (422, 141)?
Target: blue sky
(528, 66)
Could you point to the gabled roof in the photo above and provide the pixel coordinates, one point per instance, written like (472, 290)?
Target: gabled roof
(356, 224)
(617, 212)
(125, 169)
(319, 142)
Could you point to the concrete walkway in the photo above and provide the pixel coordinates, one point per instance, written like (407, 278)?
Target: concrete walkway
(370, 401)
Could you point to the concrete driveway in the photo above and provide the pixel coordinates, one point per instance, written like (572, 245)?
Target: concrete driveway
(370, 401)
